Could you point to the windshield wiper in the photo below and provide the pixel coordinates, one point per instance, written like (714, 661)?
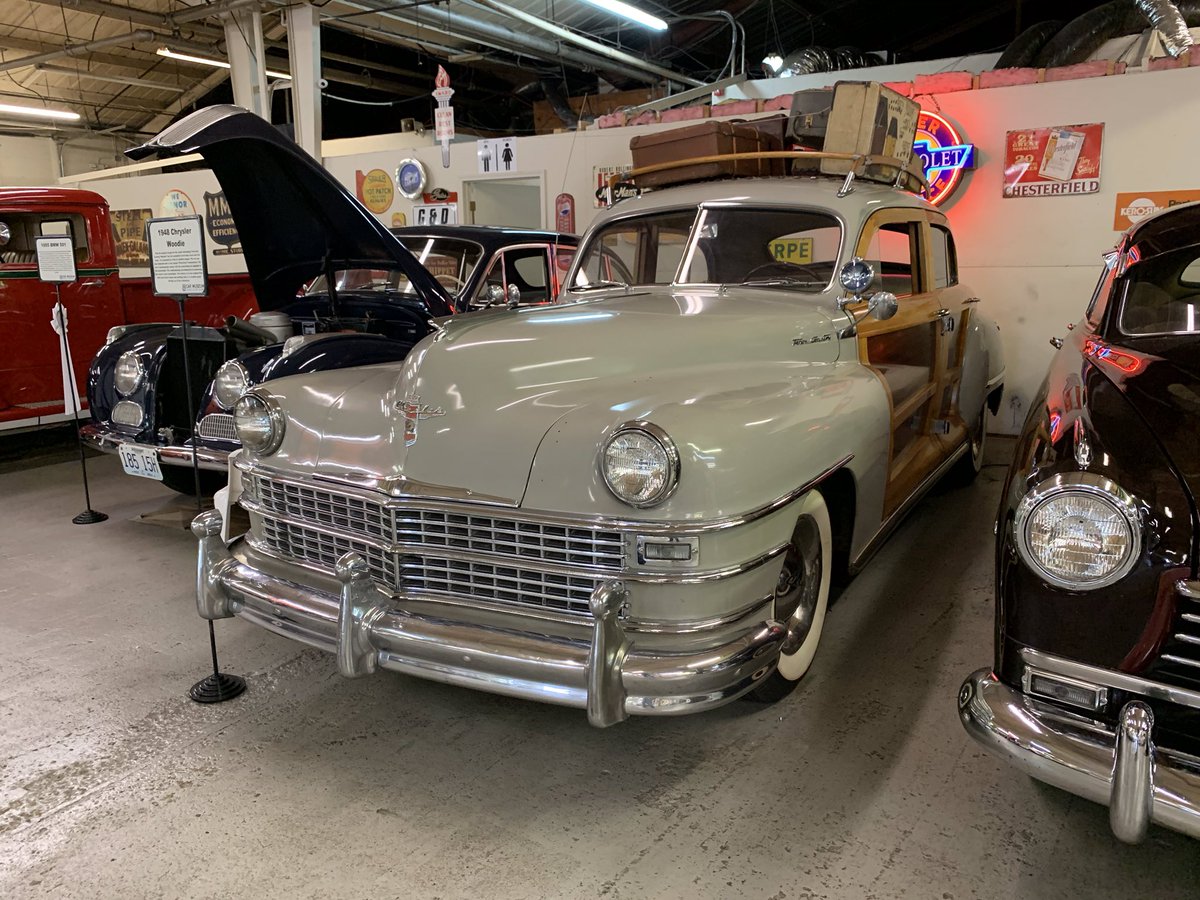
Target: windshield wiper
(599, 285)
(781, 280)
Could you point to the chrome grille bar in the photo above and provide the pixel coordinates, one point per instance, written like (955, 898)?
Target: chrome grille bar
(218, 427)
(467, 555)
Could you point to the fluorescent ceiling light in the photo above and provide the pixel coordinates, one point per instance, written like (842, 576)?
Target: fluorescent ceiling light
(216, 63)
(632, 13)
(39, 112)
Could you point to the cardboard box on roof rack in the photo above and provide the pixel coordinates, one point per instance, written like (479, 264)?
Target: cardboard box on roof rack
(869, 119)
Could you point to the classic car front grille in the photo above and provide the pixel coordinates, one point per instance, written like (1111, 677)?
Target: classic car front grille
(1181, 660)
(218, 427)
(414, 549)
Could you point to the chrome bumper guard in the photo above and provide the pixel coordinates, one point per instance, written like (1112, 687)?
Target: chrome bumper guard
(1139, 782)
(366, 631)
(173, 455)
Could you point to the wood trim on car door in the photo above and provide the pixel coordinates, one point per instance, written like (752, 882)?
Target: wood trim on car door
(913, 334)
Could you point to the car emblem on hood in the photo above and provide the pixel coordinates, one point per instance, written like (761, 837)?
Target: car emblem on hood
(412, 410)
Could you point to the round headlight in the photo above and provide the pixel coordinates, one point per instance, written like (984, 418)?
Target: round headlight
(1079, 531)
(129, 373)
(640, 464)
(231, 382)
(259, 424)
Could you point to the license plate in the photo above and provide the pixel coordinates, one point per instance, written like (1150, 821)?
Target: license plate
(140, 461)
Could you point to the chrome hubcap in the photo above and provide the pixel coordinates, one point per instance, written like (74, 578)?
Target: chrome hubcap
(799, 586)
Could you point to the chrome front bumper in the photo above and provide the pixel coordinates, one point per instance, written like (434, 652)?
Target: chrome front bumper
(108, 441)
(367, 630)
(1124, 770)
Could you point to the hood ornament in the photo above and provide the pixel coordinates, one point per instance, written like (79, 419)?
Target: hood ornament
(413, 412)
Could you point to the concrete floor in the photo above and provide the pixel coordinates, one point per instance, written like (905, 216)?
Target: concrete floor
(862, 784)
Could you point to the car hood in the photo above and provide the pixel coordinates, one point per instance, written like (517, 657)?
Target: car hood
(1161, 378)
(293, 218)
(469, 407)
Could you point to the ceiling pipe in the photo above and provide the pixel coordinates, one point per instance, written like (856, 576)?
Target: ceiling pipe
(79, 49)
(460, 27)
(110, 79)
(586, 43)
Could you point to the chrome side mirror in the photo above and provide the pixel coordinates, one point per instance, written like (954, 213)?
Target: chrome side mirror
(882, 305)
(494, 295)
(514, 296)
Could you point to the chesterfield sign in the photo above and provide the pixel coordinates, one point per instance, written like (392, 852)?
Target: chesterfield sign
(943, 155)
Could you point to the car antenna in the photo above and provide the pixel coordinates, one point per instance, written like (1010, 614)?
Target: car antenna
(331, 284)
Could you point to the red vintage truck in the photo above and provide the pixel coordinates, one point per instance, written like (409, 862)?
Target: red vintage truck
(31, 382)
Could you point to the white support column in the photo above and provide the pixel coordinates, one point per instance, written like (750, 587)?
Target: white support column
(247, 57)
(304, 54)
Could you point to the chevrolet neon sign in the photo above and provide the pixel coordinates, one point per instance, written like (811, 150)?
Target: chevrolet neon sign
(943, 155)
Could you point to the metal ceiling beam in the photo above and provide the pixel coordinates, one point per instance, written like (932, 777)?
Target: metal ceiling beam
(111, 79)
(78, 49)
(108, 59)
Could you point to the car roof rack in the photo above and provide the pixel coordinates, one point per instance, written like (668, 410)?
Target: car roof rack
(870, 166)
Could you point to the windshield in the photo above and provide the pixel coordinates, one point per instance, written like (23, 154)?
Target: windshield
(795, 249)
(1162, 295)
(449, 260)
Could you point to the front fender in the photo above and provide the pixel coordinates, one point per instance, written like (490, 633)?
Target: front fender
(333, 351)
(150, 343)
(758, 433)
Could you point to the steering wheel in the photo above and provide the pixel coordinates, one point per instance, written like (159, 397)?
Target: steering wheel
(783, 269)
(452, 283)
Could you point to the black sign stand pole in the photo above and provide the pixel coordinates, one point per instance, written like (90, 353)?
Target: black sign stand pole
(89, 516)
(219, 686)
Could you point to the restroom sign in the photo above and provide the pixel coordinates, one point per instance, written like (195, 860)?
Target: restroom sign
(496, 155)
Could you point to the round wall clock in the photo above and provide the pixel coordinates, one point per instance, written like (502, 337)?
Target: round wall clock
(411, 178)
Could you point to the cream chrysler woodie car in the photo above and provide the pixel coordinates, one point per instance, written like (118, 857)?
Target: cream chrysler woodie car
(632, 503)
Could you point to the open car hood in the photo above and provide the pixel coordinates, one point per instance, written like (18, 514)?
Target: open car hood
(295, 220)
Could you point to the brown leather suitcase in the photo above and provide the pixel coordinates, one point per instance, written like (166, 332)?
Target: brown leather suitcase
(709, 138)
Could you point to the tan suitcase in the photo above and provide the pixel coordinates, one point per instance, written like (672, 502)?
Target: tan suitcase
(709, 138)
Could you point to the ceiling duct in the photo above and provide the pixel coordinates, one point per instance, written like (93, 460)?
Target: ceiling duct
(810, 60)
(1079, 39)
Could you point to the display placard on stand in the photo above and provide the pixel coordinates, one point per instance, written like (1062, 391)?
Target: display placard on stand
(179, 269)
(55, 259)
(178, 265)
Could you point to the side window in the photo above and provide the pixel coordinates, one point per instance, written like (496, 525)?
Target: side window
(19, 233)
(527, 268)
(945, 259)
(1095, 310)
(892, 252)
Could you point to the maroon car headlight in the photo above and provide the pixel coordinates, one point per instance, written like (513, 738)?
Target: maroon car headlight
(1079, 531)
(259, 423)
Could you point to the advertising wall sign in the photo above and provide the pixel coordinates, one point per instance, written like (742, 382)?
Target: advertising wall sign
(1053, 162)
(219, 222)
(375, 190)
(435, 213)
(443, 116)
(130, 228)
(564, 213)
(601, 174)
(411, 178)
(943, 155)
(1133, 207)
(176, 203)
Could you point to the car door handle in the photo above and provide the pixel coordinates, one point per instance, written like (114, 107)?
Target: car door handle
(971, 300)
(93, 282)
(1056, 343)
(942, 313)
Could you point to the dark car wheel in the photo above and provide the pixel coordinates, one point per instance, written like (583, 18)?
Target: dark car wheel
(181, 479)
(970, 464)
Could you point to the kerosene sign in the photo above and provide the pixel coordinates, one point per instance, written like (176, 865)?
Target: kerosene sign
(943, 154)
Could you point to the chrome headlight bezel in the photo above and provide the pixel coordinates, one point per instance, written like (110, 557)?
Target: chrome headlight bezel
(129, 356)
(1095, 487)
(671, 463)
(254, 404)
(226, 398)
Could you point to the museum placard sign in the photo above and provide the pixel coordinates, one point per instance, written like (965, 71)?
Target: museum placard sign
(177, 264)
(1133, 207)
(1053, 162)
